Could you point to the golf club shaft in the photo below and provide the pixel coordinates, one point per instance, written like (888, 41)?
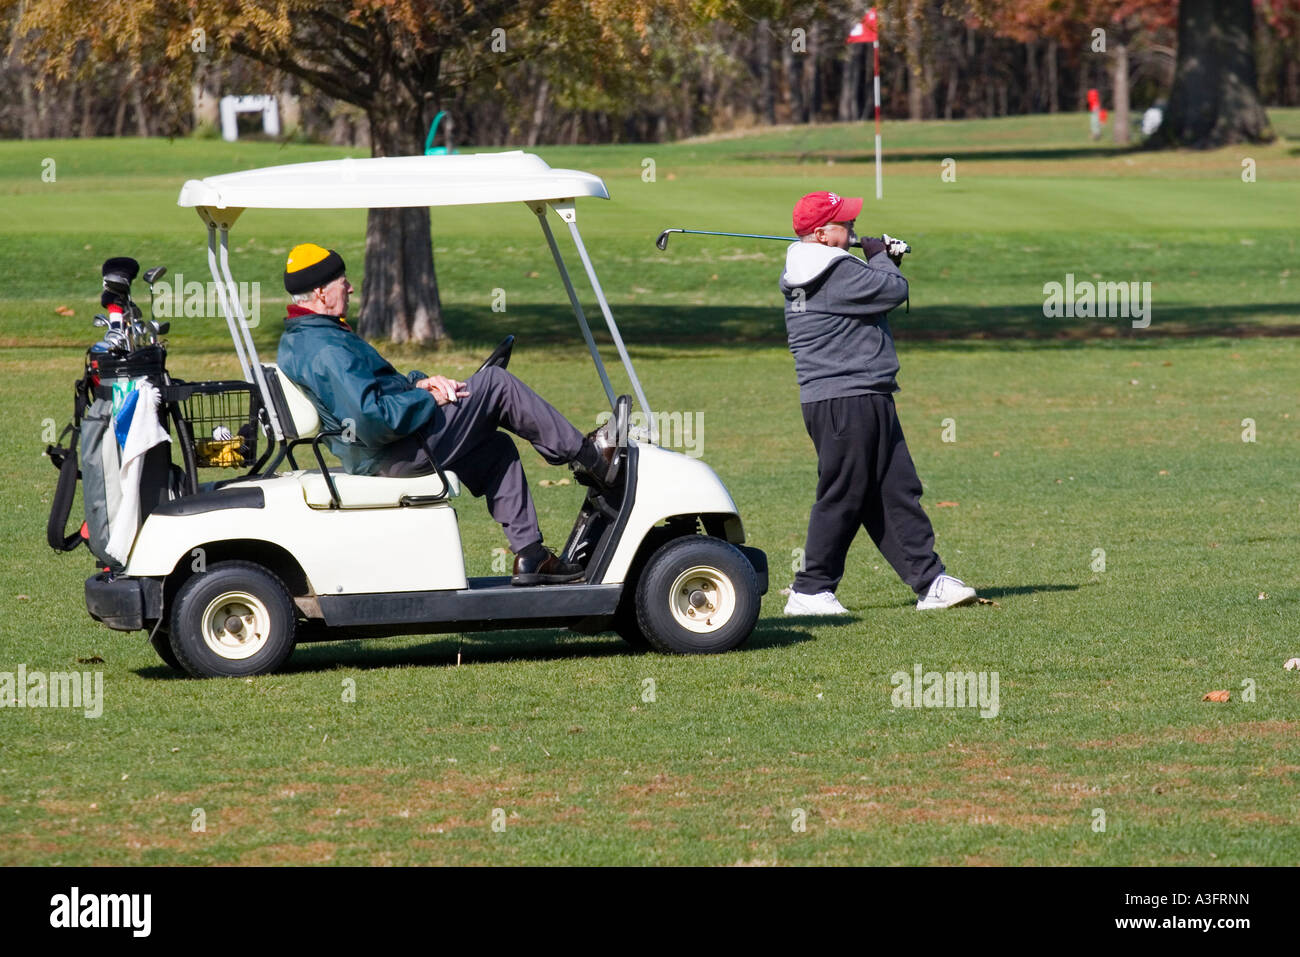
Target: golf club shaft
(662, 241)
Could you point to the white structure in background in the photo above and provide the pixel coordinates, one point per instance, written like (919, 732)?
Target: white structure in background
(232, 105)
(1152, 119)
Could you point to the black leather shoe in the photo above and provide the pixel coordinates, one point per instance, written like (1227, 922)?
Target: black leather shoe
(549, 570)
(610, 439)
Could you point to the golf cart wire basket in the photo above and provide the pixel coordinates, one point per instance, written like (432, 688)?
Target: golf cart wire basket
(222, 420)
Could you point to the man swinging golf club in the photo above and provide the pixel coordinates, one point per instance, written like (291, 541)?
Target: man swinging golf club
(835, 314)
(394, 419)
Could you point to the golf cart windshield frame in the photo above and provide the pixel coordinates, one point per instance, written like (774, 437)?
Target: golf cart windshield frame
(219, 221)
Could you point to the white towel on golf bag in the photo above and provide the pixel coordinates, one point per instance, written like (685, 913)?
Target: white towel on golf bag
(143, 434)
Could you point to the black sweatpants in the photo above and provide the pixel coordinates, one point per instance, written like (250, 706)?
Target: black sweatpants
(865, 478)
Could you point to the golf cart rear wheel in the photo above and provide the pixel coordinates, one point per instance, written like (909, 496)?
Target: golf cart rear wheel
(233, 620)
(697, 595)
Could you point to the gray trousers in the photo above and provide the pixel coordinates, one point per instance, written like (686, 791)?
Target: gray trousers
(486, 460)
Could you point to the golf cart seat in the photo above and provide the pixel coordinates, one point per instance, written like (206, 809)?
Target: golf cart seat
(373, 491)
(300, 420)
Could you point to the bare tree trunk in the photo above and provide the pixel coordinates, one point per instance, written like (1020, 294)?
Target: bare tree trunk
(1031, 77)
(1120, 82)
(1053, 89)
(87, 114)
(206, 106)
(399, 299)
(849, 84)
(914, 78)
(137, 106)
(812, 96)
(793, 71)
(1215, 98)
(763, 51)
(539, 111)
(119, 120)
(31, 116)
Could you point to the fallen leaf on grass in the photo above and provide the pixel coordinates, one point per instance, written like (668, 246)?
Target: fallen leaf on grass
(92, 660)
(988, 601)
(24, 597)
(1164, 471)
(946, 504)
(1219, 696)
(1262, 595)
(1292, 664)
(65, 311)
(550, 483)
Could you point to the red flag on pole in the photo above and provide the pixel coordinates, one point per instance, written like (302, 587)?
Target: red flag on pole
(864, 32)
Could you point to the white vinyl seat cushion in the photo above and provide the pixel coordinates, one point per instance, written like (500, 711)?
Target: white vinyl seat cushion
(371, 491)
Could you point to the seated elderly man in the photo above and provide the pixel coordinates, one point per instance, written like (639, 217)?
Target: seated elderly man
(393, 418)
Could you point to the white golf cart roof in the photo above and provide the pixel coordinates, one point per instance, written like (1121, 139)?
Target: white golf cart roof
(379, 182)
(397, 181)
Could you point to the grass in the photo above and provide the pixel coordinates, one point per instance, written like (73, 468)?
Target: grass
(1071, 437)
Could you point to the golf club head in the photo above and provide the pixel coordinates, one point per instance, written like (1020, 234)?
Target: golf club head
(101, 320)
(118, 273)
(662, 241)
(154, 273)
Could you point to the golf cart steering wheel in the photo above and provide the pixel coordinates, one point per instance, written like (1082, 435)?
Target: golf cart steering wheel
(500, 355)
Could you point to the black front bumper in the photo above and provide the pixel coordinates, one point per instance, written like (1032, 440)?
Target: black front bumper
(123, 603)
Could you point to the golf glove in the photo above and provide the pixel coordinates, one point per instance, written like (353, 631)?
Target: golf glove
(896, 248)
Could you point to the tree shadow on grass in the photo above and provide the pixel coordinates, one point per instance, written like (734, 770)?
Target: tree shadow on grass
(652, 329)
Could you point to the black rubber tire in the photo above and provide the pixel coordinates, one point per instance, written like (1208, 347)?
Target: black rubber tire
(162, 644)
(187, 642)
(627, 627)
(654, 613)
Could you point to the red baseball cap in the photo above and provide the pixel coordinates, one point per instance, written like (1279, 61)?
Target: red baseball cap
(818, 209)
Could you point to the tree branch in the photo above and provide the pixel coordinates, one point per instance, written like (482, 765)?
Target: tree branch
(321, 80)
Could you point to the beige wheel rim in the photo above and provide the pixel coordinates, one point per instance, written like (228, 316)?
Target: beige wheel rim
(702, 599)
(236, 625)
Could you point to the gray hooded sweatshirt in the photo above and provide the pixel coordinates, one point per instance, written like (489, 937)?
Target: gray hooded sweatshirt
(835, 309)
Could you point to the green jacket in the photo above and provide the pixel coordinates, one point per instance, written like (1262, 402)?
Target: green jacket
(353, 388)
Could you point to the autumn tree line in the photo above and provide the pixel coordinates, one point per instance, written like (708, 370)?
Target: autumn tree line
(697, 68)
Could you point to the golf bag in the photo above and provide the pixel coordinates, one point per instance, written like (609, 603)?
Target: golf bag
(99, 395)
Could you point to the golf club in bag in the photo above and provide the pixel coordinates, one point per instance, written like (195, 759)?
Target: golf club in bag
(114, 369)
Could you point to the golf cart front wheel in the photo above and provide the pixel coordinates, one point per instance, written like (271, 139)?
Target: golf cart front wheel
(162, 646)
(697, 595)
(235, 619)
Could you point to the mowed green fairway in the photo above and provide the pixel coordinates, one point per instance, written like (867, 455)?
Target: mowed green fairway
(1071, 436)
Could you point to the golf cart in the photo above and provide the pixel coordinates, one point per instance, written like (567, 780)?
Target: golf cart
(228, 575)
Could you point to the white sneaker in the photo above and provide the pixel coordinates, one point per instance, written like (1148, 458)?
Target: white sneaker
(822, 603)
(946, 592)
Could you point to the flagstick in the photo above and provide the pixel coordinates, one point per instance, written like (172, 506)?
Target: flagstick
(875, 51)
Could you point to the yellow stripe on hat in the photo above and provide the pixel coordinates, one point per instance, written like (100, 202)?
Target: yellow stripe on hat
(304, 255)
